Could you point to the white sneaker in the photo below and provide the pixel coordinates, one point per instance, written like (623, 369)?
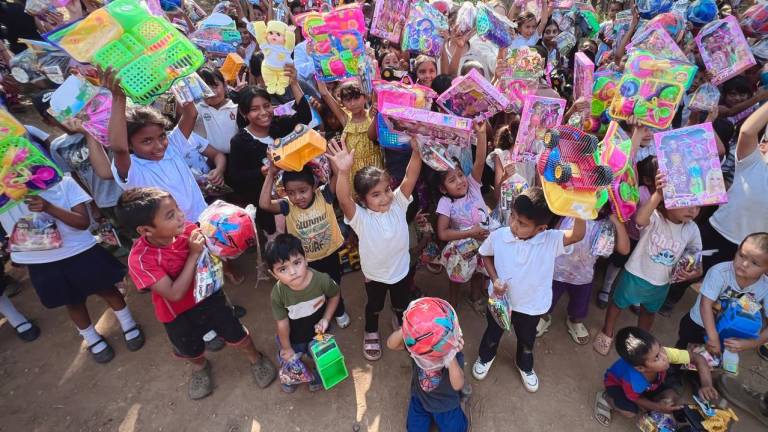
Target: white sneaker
(530, 380)
(480, 369)
(543, 326)
(343, 321)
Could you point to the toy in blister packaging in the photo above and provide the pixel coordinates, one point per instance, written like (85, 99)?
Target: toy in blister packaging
(688, 157)
(389, 138)
(293, 151)
(604, 88)
(651, 89)
(438, 156)
(754, 20)
(573, 179)
(623, 193)
(701, 349)
(510, 189)
(620, 26)
(294, 371)
(366, 73)
(533, 6)
(705, 98)
(466, 18)
(564, 41)
(78, 98)
(389, 19)
(209, 276)
(724, 50)
(228, 229)
(9, 126)
(35, 232)
(402, 93)
(191, 88)
(337, 39)
(217, 35)
(328, 359)
(518, 75)
(422, 32)
(539, 114)
(231, 67)
(149, 53)
(672, 22)
(603, 239)
(431, 332)
(583, 76)
(688, 262)
(474, 97)
(657, 41)
(445, 129)
(24, 170)
(650, 8)
(276, 41)
(461, 260)
(498, 307)
(493, 27)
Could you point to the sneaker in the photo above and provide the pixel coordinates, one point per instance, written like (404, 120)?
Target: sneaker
(200, 383)
(543, 326)
(315, 384)
(480, 369)
(343, 321)
(530, 380)
(762, 351)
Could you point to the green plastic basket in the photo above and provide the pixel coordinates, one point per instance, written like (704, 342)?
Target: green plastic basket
(115, 54)
(143, 75)
(329, 361)
(151, 30)
(128, 13)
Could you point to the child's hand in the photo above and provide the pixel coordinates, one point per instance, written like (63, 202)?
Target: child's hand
(75, 125)
(287, 354)
(478, 233)
(713, 346)
(196, 243)
(582, 104)
(479, 127)
(736, 345)
(315, 103)
(661, 182)
(421, 218)
(670, 408)
(500, 287)
(321, 326)
(614, 219)
(216, 177)
(340, 158)
(111, 82)
(708, 393)
(36, 203)
(290, 72)
(241, 81)
(272, 169)
(322, 88)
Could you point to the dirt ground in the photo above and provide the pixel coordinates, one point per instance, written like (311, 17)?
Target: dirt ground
(52, 384)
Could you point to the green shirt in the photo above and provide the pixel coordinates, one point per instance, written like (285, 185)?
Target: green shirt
(303, 308)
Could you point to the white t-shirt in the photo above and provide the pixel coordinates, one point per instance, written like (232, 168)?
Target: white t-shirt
(526, 265)
(519, 41)
(661, 245)
(171, 174)
(383, 243)
(218, 126)
(745, 211)
(67, 194)
(720, 283)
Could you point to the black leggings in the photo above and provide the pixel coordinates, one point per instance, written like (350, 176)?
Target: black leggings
(689, 332)
(331, 265)
(525, 331)
(399, 296)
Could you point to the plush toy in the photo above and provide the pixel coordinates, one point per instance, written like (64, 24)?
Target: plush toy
(276, 40)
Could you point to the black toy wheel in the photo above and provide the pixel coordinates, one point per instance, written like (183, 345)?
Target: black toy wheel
(562, 173)
(551, 138)
(603, 175)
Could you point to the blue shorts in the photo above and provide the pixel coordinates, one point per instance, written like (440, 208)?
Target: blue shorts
(633, 289)
(420, 420)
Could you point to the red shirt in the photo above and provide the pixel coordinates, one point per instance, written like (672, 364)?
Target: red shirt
(147, 264)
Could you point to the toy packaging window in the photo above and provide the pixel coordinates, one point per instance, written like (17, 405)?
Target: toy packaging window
(656, 40)
(474, 97)
(583, 76)
(389, 19)
(519, 75)
(78, 98)
(604, 88)
(217, 35)
(444, 129)
(338, 41)
(422, 30)
(688, 157)
(539, 114)
(25, 170)
(724, 49)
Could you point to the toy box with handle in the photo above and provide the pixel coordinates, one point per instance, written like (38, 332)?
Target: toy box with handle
(329, 360)
(735, 322)
(302, 145)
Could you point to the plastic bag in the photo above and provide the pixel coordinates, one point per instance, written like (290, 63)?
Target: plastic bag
(603, 240)
(465, 18)
(35, 232)
(498, 306)
(431, 332)
(510, 189)
(460, 259)
(294, 372)
(705, 98)
(690, 261)
(209, 276)
(106, 234)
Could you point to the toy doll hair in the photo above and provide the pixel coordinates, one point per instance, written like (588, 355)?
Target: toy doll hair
(525, 17)
(633, 344)
(532, 204)
(281, 249)
(211, 76)
(138, 117)
(137, 206)
(505, 137)
(247, 95)
(349, 90)
(367, 178)
(760, 239)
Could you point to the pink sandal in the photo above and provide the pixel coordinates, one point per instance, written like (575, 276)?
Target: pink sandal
(372, 346)
(602, 343)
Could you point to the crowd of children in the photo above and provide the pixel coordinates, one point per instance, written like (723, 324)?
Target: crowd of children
(162, 168)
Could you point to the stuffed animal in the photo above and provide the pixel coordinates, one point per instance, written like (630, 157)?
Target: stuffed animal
(276, 39)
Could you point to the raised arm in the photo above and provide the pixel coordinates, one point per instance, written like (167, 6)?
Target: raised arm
(118, 131)
(341, 162)
(622, 237)
(643, 215)
(748, 137)
(545, 12)
(265, 198)
(412, 170)
(333, 104)
(575, 234)
(96, 154)
(188, 118)
(480, 151)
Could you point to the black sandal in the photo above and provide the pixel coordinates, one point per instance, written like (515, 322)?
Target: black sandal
(104, 356)
(136, 343)
(30, 334)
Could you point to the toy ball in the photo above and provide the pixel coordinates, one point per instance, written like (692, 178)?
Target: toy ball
(673, 23)
(754, 21)
(228, 229)
(650, 8)
(701, 12)
(431, 332)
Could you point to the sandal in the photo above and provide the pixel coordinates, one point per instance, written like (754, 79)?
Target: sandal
(200, 383)
(136, 343)
(264, 372)
(602, 413)
(543, 325)
(578, 332)
(30, 334)
(602, 343)
(372, 346)
(104, 356)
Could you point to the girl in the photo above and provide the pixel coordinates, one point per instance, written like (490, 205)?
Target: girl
(425, 70)
(356, 121)
(574, 272)
(67, 274)
(645, 281)
(462, 215)
(217, 115)
(529, 30)
(379, 220)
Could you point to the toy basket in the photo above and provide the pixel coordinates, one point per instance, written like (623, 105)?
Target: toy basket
(24, 170)
(329, 360)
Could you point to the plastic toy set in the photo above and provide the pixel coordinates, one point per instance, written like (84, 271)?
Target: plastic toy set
(329, 360)
(539, 115)
(604, 88)
(615, 152)
(519, 75)
(431, 332)
(688, 157)
(724, 49)
(705, 98)
(302, 145)
(493, 27)
(399, 94)
(217, 35)
(77, 97)
(474, 97)
(444, 129)
(337, 39)
(389, 19)
(651, 89)
(655, 39)
(24, 170)
(421, 34)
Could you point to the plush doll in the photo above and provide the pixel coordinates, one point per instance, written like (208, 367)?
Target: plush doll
(276, 40)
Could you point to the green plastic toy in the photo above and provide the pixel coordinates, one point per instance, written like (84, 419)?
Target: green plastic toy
(328, 360)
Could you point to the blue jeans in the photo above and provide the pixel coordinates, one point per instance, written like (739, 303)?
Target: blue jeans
(419, 419)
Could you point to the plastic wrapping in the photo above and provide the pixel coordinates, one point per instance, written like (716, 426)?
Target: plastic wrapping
(422, 33)
(688, 262)
(431, 332)
(460, 259)
(338, 40)
(465, 18)
(603, 239)
(217, 34)
(78, 98)
(724, 49)
(209, 276)
(24, 170)
(498, 306)
(191, 88)
(493, 27)
(474, 97)
(389, 19)
(444, 129)
(228, 229)
(623, 193)
(35, 232)
(294, 371)
(539, 114)
(650, 8)
(705, 98)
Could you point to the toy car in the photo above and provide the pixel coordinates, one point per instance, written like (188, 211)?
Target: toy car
(302, 145)
(571, 160)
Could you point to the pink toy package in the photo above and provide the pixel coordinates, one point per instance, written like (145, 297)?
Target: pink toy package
(656, 40)
(389, 19)
(519, 74)
(724, 49)
(688, 157)
(539, 115)
(474, 97)
(583, 76)
(443, 128)
(422, 32)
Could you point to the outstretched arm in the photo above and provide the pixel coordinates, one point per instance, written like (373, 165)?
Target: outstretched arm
(341, 161)
(118, 131)
(482, 149)
(412, 170)
(748, 137)
(333, 104)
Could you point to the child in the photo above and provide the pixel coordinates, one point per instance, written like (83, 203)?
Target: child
(637, 380)
(303, 300)
(26, 330)
(68, 275)
(575, 270)
(529, 30)
(666, 234)
(435, 396)
(217, 115)
(462, 214)
(164, 260)
(379, 220)
(729, 281)
(520, 261)
(309, 215)
(425, 70)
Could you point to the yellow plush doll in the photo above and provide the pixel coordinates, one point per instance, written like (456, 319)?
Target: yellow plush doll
(276, 40)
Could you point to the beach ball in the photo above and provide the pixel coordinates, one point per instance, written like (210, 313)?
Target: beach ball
(228, 229)
(431, 332)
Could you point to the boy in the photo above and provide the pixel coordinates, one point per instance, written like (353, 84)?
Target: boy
(164, 260)
(637, 379)
(525, 252)
(303, 300)
(310, 216)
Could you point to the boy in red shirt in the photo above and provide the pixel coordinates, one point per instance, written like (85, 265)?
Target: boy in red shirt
(163, 260)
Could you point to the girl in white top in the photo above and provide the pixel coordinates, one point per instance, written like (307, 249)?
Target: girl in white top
(379, 220)
(529, 30)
